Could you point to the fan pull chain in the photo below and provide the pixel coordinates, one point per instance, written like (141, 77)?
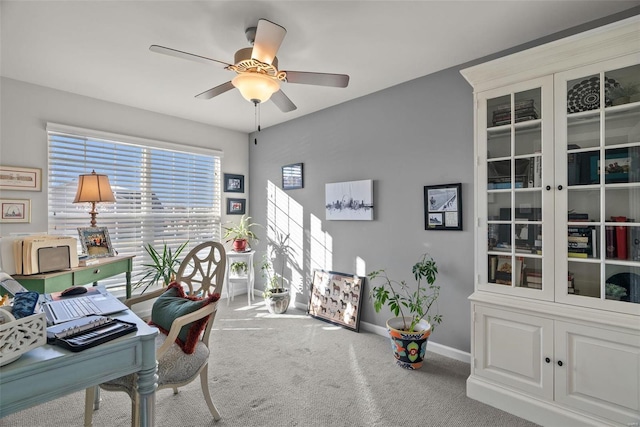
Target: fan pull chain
(256, 120)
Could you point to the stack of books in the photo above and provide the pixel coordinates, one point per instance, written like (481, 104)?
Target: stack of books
(524, 110)
(622, 242)
(582, 242)
(534, 279)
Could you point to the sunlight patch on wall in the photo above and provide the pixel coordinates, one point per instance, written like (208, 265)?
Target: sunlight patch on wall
(321, 246)
(361, 267)
(285, 217)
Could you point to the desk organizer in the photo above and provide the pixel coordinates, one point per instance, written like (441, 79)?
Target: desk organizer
(21, 335)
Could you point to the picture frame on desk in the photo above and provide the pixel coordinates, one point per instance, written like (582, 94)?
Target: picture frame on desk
(95, 242)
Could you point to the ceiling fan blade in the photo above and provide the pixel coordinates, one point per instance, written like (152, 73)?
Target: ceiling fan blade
(318, 79)
(184, 55)
(283, 102)
(268, 39)
(208, 94)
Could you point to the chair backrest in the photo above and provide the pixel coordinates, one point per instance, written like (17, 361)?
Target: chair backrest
(203, 269)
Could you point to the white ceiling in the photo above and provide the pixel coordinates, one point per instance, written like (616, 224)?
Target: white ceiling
(100, 49)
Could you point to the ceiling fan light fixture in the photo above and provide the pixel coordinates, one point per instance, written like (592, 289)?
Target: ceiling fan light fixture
(255, 87)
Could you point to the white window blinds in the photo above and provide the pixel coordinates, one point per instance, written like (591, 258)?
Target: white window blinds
(163, 195)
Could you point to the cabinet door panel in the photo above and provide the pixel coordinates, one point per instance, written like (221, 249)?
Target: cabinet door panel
(600, 371)
(512, 350)
(597, 176)
(515, 209)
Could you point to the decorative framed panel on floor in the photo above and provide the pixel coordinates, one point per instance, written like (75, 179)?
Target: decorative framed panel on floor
(336, 298)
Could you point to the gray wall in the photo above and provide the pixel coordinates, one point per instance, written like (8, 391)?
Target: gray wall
(26, 109)
(403, 138)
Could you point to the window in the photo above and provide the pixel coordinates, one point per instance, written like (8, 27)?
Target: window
(165, 193)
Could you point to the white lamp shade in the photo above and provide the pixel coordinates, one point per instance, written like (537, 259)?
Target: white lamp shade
(255, 87)
(94, 188)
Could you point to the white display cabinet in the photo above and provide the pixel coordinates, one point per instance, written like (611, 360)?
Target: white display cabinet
(556, 307)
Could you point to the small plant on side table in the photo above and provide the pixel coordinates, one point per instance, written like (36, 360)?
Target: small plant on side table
(240, 233)
(239, 268)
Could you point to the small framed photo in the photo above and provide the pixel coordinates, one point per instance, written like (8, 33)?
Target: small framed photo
(443, 207)
(236, 206)
(23, 179)
(292, 177)
(336, 298)
(15, 210)
(233, 183)
(95, 241)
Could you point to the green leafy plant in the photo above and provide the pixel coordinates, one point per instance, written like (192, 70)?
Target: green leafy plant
(238, 267)
(402, 299)
(163, 266)
(279, 249)
(240, 231)
(613, 291)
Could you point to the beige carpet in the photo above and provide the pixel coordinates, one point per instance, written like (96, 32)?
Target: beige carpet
(294, 370)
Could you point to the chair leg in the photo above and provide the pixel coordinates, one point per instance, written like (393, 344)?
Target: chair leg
(204, 383)
(135, 415)
(175, 390)
(89, 398)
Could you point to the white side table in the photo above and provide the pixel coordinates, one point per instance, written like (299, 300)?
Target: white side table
(231, 278)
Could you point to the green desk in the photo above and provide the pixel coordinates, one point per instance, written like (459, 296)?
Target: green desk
(60, 280)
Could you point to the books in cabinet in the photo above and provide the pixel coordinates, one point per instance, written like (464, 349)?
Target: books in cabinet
(505, 273)
(622, 242)
(582, 242)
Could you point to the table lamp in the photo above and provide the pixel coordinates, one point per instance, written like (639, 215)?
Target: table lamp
(94, 188)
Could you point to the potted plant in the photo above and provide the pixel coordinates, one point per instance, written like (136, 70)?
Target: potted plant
(239, 268)
(163, 266)
(276, 295)
(240, 233)
(413, 323)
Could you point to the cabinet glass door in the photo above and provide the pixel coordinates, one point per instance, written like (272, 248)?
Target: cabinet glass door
(600, 140)
(515, 134)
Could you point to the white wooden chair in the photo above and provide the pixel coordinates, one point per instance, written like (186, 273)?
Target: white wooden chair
(202, 270)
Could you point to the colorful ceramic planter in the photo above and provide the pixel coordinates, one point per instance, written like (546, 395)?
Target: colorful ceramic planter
(408, 348)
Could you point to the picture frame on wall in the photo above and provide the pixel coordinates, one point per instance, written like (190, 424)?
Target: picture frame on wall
(292, 176)
(443, 207)
(336, 298)
(95, 241)
(19, 178)
(352, 200)
(236, 206)
(15, 211)
(233, 183)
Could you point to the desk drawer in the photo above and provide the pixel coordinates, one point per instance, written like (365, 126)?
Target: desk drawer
(99, 272)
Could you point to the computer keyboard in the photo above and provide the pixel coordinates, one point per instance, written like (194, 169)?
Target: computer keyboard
(81, 306)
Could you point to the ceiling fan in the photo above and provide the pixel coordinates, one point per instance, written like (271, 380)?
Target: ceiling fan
(258, 77)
